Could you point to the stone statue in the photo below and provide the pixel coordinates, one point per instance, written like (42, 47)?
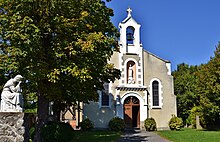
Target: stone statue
(130, 75)
(130, 71)
(11, 98)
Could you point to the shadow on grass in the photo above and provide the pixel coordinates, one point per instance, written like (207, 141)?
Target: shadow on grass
(96, 136)
(131, 135)
(211, 129)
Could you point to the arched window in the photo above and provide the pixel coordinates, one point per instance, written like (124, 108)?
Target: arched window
(130, 35)
(155, 91)
(105, 99)
(104, 96)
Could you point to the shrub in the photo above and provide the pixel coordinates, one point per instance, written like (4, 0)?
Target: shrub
(31, 133)
(189, 121)
(193, 112)
(116, 124)
(150, 124)
(86, 124)
(57, 132)
(208, 116)
(176, 123)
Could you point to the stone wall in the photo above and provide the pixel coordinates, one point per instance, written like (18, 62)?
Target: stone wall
(11, 127)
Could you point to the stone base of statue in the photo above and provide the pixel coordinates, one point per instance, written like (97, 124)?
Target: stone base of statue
(131, 80)
(11, 127)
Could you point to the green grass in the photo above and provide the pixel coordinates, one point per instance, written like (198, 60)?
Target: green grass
(96, 136)
(191, 135)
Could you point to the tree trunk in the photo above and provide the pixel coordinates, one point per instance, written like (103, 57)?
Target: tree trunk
(42, 116)
(56, 110)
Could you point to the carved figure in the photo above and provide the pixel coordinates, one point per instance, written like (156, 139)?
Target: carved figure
(130, 75)
(11, 97)
(130, 71)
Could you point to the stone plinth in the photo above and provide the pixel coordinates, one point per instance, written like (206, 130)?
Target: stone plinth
(11, 127)
(198, 126)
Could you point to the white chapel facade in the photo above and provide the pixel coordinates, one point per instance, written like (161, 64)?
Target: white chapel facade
(144, 90)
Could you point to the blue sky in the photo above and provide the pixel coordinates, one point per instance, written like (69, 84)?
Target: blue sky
(177, 30)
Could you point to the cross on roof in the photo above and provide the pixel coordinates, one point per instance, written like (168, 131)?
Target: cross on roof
(129, 10)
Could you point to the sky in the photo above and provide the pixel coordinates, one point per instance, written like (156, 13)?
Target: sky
(181, 31)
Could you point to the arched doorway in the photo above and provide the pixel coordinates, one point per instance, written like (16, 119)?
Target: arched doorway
(132, 112)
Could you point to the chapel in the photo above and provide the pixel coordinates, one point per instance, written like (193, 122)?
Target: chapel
(144, 90)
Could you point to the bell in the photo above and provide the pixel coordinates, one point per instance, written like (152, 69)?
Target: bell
(129, 37)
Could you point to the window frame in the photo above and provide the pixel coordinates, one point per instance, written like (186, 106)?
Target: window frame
(155, 93)
(160, 94)
(103, 94)
(130, 30)
(105, 91)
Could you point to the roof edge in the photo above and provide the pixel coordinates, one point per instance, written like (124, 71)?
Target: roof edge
(167, 61)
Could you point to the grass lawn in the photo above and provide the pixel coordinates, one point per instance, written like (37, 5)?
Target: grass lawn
(96, 136)
(191, 135)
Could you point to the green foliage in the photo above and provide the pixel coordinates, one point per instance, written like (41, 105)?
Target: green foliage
(208, 89)
(150, 124)
(197, 90)
(116, 124)
(185, 84)
(176, 123)
(190, 135)
(96, 136)
(61, 48)
(86, 124)
(30, 104)
(57, 50)
(57, 132)
(189, 121)
(4, 79)
(193, 113)
(32, 133)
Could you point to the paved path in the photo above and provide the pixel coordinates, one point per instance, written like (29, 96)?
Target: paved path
(140, 136)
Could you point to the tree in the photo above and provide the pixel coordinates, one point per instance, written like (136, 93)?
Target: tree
(209, 91)
(197, 90)
(185, 83)
(61, 47)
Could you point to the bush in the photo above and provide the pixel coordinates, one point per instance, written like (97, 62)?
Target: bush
(176, 123)
(86, 124)
(116, 124)
(193, 113)
(150, 124)
(31, 133)
(57, 132)
(189, 122)
(208, 116)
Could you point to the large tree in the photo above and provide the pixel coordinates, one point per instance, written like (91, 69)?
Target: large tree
(209, 91)
(185, 84)
(61, 47)
(198, 91)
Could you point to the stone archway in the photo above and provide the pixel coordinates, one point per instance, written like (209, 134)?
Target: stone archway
(132, 112)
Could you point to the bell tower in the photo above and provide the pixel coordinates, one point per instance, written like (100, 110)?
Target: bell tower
(130, 60)
(129, 34)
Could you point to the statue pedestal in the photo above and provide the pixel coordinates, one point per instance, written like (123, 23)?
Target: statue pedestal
(11, 126)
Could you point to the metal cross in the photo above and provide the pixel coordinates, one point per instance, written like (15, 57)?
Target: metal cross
(129, 10)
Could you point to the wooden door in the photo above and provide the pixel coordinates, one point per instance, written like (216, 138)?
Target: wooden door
(128, 115)
(132, 112)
